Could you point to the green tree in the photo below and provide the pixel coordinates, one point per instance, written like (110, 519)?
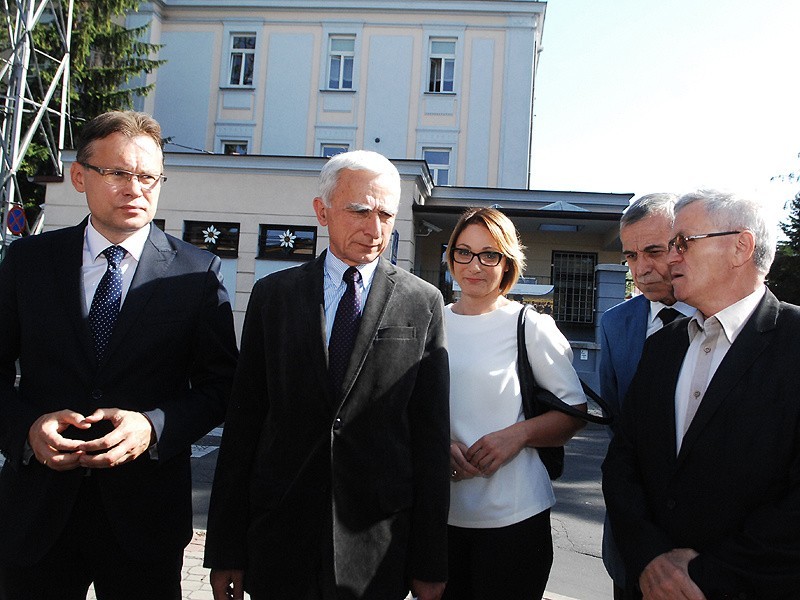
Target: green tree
(784, 276)
(106, 59)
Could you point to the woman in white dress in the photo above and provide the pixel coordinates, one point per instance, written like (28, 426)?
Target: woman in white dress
(500, 493)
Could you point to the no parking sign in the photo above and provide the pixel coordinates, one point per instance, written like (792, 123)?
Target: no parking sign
(16, 219)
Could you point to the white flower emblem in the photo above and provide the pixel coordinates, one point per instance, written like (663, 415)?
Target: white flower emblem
(287, 239)
(211, 235)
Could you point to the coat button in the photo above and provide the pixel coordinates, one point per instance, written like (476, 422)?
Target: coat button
(671, 504)
(97, 394)
(337, 424)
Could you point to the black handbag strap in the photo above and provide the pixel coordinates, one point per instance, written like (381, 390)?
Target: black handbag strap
(548, 398)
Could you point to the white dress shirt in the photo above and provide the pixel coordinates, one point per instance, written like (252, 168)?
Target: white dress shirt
(334, 287)
(95, 263)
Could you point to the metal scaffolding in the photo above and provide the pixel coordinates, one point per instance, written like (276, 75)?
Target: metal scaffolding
(26, 97)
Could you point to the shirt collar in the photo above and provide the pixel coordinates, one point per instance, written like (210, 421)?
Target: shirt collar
(732, 318)
(134, 245)
(681, 307)
(335, 268)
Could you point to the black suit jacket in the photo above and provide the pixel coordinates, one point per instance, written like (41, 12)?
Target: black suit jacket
(294, 457)
(173, 352)
(733, 491)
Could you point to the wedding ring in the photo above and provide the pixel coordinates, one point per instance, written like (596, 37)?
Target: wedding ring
(453, 474)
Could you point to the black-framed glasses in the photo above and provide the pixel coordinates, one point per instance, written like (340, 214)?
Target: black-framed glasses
(119, 177)
(488, 258)
(681, 242)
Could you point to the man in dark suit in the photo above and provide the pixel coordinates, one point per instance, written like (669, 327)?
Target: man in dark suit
(332, 479)
(702, 479)
(126, 351)
(645, 229)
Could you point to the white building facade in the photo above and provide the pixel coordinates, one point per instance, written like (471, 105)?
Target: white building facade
(256, 93)
(447, 81)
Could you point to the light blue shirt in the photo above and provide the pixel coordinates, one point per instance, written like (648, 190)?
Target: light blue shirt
(334, 287)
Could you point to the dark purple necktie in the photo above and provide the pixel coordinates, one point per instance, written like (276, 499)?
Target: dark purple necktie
(345, 328)
(106, 302)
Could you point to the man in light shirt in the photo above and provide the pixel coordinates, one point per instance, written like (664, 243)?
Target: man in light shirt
(702, 478)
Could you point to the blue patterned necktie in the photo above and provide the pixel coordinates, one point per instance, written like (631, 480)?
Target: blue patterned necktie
(106, 302)
(345, 328)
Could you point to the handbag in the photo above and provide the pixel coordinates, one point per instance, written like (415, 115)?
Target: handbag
(537, 400)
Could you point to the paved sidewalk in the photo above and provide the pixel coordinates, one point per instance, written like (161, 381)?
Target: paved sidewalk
(196, 585)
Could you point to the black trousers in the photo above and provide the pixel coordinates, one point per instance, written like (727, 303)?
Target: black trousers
(512, 563)
(88, 552)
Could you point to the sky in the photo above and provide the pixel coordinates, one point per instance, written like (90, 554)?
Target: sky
(645, 96)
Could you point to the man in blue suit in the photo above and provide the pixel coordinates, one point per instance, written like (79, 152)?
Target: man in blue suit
(645, 228)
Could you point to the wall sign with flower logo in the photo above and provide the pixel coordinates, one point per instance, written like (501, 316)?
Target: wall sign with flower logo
(219, 237)
(287, 242)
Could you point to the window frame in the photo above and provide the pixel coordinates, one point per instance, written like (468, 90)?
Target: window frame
(342, 55)
(225, 236)
(245, 143)
(437, 168)
(307, 251)
(340, 147)
(243, 53)
(574, 290)
(437, 66)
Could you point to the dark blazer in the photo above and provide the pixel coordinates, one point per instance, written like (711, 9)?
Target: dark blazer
(623, 330)
(733, 492)
(173, 352)
(294, 457)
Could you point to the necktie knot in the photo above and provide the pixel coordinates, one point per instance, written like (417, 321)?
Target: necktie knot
(351, 276)
(114, 255)
(668, 315)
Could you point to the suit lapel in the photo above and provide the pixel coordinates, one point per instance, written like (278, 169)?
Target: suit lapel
(750, 343)
(380, 292)
(669, 361)
(157, 256)
(309, 302)
(67, 262)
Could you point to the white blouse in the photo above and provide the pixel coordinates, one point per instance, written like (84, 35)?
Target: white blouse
(485, 397)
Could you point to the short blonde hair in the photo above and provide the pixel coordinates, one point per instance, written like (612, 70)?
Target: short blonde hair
(505, 235)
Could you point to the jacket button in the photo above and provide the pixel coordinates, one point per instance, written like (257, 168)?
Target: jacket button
(337, 424)
(97, 394)
(671, 504)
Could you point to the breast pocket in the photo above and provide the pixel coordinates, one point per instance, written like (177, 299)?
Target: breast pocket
(397, 333)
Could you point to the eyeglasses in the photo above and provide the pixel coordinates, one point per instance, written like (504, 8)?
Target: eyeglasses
(681, 242)
(118, 177)
(487, 258)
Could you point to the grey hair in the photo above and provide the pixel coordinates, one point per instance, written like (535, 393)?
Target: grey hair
(661, 204)
(356, 160)
(729, 211)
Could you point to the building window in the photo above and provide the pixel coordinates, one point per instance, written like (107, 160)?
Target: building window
(573, 286)
(243, 58)
(234, 147)
(329, 150)
(442, 66)
(341, 55)
(438, 160)
(287, 242)
(215, 236)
